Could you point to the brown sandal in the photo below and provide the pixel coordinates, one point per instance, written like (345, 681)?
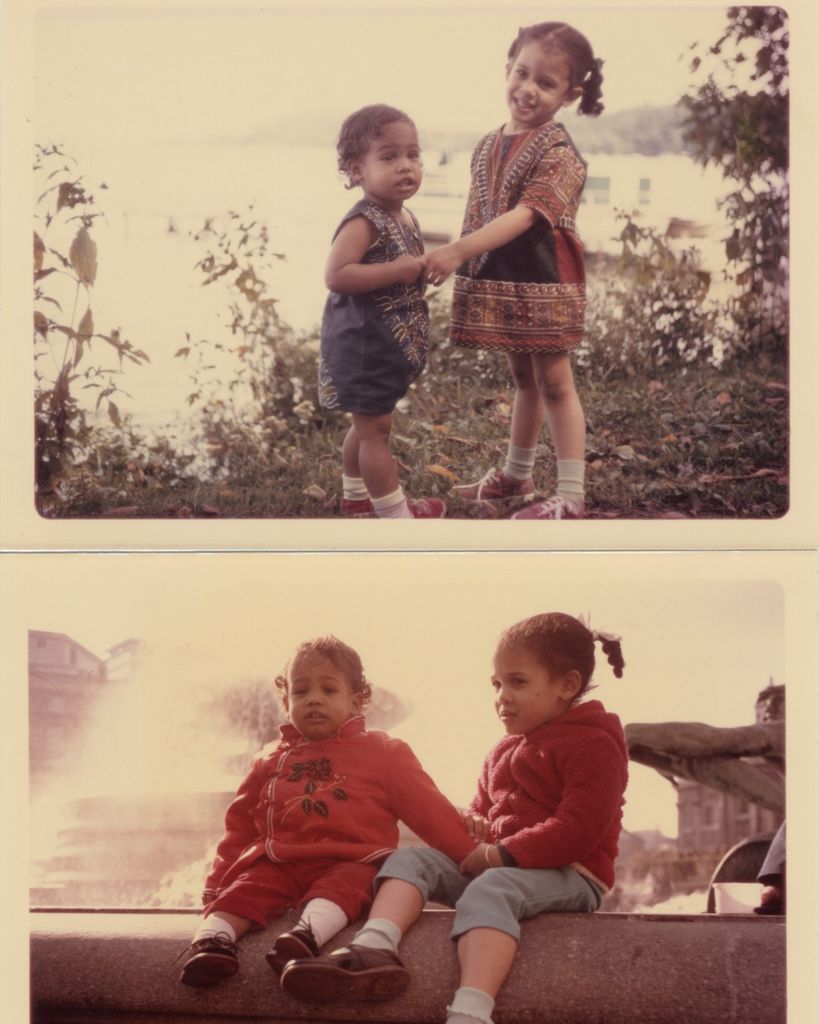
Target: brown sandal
(355, 974)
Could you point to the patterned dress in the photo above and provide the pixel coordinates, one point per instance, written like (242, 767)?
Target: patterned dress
(374, 346)
(530, 294)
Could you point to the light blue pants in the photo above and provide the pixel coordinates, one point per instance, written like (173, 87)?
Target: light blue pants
(499, 898)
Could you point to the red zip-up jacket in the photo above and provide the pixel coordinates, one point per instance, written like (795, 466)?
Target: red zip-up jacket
(554, 796)
(340, 797)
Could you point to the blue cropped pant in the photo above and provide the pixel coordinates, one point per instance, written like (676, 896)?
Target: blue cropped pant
(499, 898)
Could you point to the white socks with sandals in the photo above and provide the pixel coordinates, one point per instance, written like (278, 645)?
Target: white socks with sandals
(470, 1005)
(324, 919)
(378, 933)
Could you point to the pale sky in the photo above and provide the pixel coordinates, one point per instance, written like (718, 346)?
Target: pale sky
(108, 75)
(699, 643)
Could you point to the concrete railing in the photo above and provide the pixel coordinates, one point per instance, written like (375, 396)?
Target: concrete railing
(570, 969)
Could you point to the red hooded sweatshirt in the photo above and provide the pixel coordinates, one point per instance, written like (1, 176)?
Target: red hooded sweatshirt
(340, 797)
(554, 796)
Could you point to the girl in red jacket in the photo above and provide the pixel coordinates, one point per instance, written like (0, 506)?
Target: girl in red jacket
(316, 815)
(548, 813)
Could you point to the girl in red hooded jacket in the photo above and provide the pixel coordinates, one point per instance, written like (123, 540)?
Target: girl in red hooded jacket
(316, 815)
(548, 813)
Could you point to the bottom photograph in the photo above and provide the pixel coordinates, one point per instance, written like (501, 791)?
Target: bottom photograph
(418, 787)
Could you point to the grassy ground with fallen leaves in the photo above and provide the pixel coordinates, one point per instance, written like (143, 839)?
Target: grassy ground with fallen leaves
(697, 443)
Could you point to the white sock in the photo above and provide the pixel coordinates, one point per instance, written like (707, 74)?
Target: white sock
(378, 933)
(353, 488)
(214, 925)
(392, 506)
(324, 919)
(468, 1005)
(519, 462)
(571, 474)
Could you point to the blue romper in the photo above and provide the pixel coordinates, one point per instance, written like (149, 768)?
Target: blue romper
(373, 346)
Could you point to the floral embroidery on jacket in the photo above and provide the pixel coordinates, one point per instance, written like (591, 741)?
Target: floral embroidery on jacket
(320, 779)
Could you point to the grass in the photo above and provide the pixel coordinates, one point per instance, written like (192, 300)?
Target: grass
(698, 443)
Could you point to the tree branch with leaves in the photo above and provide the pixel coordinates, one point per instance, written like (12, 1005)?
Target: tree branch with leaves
(738, 119)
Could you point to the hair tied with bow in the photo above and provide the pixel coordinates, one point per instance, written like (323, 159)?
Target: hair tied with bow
(611, 644)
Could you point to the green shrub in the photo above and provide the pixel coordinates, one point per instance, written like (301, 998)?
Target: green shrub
(64, 431)
(650, 309)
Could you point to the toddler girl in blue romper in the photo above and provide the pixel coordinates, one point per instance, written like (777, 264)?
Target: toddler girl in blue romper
(375, 329)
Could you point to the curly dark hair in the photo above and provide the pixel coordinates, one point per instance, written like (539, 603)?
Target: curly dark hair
(562, 643)
(359, 130)
(340, 654)
(585, 69)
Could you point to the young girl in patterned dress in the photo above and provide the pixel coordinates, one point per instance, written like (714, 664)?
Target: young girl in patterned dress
(520, 283)
(374, 335)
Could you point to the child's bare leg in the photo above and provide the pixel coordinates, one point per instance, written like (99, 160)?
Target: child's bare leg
(528, 413)
(355, 496)
(485, 956)
(380, 475)
(398, 902)
(528, 409)
(567, 422)
(376, 463)
(349, 454)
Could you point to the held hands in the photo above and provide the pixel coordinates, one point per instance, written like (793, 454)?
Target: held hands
(477, 826)
(482, 857)
(442, 262)
(408, 268)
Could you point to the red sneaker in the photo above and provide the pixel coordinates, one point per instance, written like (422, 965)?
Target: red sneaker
(496, 486)
(358, 508)
(555, 507)
(427, 508)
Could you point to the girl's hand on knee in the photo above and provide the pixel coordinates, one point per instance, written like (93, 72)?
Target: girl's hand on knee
(482, 857)
(477, 826)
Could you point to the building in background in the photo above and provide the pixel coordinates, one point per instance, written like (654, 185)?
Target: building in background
(64, 681)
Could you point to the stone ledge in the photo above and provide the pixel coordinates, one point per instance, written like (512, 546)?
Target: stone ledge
(571, 969)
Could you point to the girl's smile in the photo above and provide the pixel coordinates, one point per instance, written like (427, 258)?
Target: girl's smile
(537, 87)
(390, 172)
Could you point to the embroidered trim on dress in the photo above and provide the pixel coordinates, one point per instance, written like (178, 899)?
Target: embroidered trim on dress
(497, 183)
(401, 305)
(327, 391)
(517, 316)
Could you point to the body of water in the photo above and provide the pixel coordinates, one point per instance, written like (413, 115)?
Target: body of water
(156, 200)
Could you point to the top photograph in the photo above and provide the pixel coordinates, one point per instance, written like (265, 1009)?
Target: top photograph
(477, 264)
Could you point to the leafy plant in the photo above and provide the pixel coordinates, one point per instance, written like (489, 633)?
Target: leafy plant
(253, 421)
(650, 308)
(63, 343)
(743, 129)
